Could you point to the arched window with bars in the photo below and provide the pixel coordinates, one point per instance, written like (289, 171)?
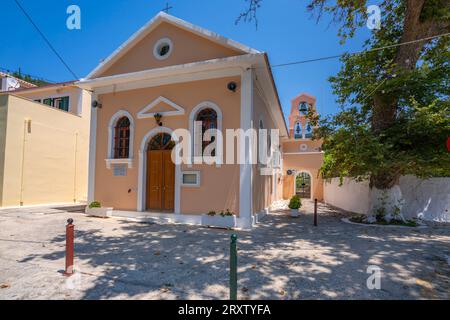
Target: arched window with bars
(122, 135)
(205, 123)
(208, 119)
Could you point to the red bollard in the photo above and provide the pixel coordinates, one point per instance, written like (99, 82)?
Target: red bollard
(69, 248)
(315, 212)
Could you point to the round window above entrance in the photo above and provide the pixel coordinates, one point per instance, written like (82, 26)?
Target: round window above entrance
(163, 49)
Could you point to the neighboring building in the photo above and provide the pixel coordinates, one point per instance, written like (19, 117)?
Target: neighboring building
(185, 74)
(10, 83)
(302, 156)
(44, 142)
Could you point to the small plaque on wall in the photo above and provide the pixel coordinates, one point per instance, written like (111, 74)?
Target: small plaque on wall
(120, 170)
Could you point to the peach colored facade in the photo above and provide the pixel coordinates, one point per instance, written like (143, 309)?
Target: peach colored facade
(174, 70)
(187, 47)
(266, 188)
(301, 154)
(219, 185)
(196, 72)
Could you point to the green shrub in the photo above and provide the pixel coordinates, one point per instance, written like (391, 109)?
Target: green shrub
(95, 204)
(227, 213)
(295, 203)
(363, 219)
(211, 213)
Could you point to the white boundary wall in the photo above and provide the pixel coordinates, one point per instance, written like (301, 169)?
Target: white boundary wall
(426, 199)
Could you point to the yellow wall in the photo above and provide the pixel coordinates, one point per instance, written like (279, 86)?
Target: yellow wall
(46, 159)
(3, 117)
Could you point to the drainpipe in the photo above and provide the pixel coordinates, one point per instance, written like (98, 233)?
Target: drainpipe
(75, 170)
(26, 129)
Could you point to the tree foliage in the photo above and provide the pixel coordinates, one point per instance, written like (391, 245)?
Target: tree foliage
(394, 96)
(30, 79)
(415, 144)
(249, 15)
(361, 140)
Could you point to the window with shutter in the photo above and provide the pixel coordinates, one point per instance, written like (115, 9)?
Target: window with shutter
(61, 103)
(64, 104)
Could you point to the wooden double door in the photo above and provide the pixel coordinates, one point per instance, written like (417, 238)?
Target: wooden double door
(160, 180)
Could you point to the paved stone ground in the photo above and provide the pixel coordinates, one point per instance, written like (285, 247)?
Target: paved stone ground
(283, 258)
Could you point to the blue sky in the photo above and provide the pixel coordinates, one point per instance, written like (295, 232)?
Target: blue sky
(286, 32)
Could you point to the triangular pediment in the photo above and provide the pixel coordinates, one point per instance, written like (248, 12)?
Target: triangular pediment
(188, 43)
(162, 106)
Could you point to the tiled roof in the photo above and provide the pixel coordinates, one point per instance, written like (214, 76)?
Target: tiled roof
(23, 83)
(47, 86)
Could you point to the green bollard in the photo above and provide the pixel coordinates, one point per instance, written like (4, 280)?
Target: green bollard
(233, 267)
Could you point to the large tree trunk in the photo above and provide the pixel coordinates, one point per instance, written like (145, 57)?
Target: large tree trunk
(385, 191)
(386, 199)
(385, 105)
(386, 204)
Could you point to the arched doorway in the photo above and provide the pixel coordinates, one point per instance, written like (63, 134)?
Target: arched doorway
(303, 185)
(160, 193)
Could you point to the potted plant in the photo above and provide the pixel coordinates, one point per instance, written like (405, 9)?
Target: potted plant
(295, 204)
(95, 209)
(225, 219)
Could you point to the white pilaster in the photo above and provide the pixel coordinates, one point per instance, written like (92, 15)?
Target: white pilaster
(92, 151)
(246, 168)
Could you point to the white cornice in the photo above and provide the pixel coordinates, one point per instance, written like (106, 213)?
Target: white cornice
(196, 71)
(216, 68)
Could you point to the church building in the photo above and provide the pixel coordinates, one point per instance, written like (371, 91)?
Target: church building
(170, 75)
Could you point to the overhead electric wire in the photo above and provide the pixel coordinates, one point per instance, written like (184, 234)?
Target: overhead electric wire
(272, 66)
(45, 39)
(358, 52)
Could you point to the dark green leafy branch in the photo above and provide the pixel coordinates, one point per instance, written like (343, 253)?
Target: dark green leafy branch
(395, 108)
